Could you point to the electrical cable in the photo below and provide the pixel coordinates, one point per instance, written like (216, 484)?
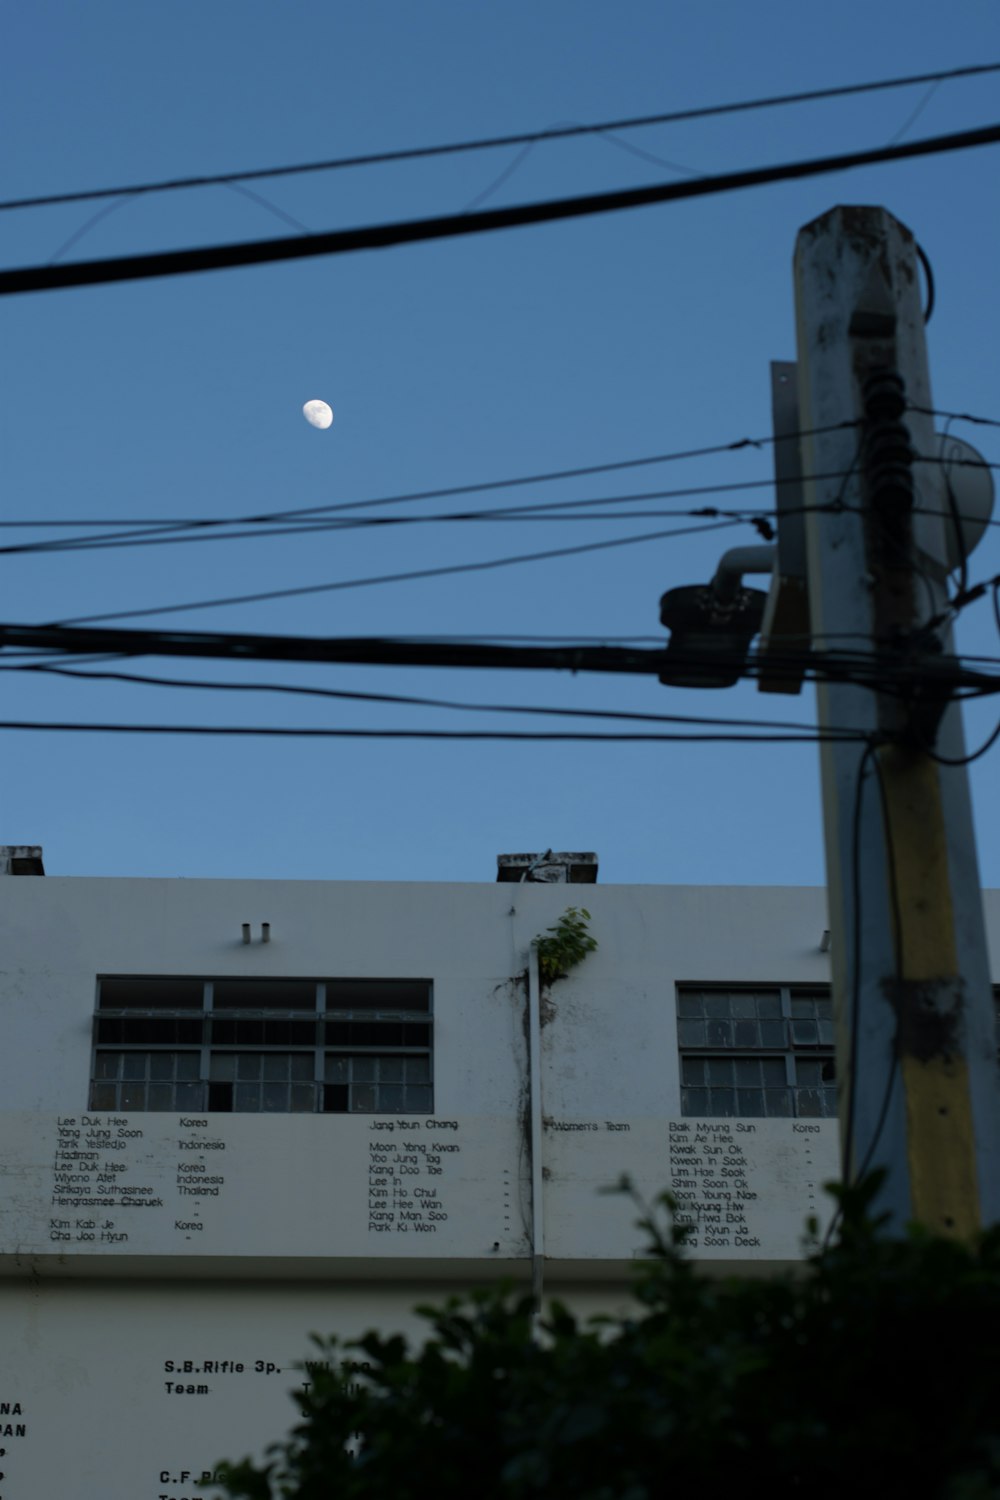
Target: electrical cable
(478, 487)
(955, 416)
(540, 511)
(120, 202)
(284, 732)
(487, 143)
(897, 919)
(929, 275)
(36, 278)
(148, 680)
(444, 570)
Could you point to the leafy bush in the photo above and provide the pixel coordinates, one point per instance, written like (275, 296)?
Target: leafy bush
(877, 1366)
(566, 945)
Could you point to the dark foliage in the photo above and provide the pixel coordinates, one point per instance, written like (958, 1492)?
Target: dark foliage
(877, 1367)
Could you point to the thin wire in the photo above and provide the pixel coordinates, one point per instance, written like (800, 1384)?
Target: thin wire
(990, 741)
(855, 1001)
(476, 488)
(148, 680)
(556, 736)
(915, 113)
(956, 416)
(897, 919)
(36, 278)
(415, 153)
(110, 208)
(407, 577)
(612, 140)
(542, 511)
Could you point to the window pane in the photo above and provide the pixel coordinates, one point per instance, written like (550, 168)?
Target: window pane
(152, 1056)
(778, 1102)
(717, 1005)
(750, 1101)
(808, 1070)
(773, 1069)
(378, 994)
(264, 994)
(694, 1101)
(768, 1005)
(689, 1005)
(692, 1070)
(748, 1071)
(773, 1035)
(720, 1033)
(151, 994)
(246, 1098)
(220, 1098)
(743, 1005)
(692, 1033)
(722, 1102)
(805, 1033)
(810, 1103)
(719, 1070)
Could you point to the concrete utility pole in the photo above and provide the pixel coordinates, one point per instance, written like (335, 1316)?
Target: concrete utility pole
(917, 1046)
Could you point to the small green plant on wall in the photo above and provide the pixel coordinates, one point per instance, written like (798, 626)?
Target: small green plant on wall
(565, 945)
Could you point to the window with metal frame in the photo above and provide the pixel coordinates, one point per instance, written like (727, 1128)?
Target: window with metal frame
(756, 1051)
(262, 1046)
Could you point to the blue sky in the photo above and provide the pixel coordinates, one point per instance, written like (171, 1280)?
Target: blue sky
(449, 363)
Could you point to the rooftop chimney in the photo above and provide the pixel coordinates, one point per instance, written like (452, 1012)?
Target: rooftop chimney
(548, 868)
(21, 859)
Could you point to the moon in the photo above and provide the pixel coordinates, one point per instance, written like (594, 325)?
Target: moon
(317, 414)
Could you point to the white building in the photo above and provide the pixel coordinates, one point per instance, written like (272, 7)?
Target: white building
(235, 1112)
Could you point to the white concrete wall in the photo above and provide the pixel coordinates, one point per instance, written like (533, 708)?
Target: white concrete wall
(291, 1239)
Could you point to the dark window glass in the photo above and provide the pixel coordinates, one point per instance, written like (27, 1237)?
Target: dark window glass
(756, 1052)
(261, 1046)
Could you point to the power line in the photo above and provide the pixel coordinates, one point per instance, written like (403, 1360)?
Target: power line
(545, 510)
(956, 416)
(886, 670)
(450, 226)
(441, 492)
(445, 570)
(813, 737)
(407, 700)
(489, 143)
